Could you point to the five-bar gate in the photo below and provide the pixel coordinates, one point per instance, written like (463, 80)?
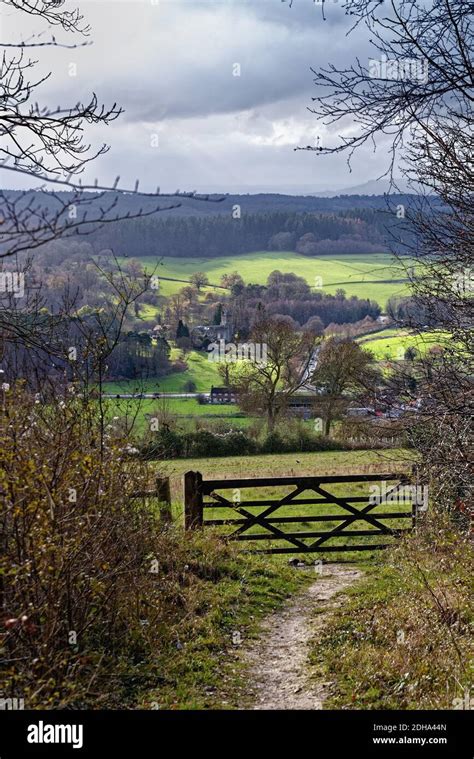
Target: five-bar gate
(314, 516)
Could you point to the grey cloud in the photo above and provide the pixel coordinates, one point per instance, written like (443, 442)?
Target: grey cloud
(171, 67)
(177, 60)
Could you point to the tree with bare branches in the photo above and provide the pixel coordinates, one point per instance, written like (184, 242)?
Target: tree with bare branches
(416, 93)
(266, 386)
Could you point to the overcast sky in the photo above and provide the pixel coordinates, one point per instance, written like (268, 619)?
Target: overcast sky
(189, 121)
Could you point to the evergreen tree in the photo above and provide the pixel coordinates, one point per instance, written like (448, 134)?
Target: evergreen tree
(217, 318)
(182, 330)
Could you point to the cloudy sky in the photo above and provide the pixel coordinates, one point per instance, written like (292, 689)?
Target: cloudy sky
(215, 92)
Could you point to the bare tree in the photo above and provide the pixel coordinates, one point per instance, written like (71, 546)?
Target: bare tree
(48, 146)
(416, 93)
(344, 371)
(267, 385)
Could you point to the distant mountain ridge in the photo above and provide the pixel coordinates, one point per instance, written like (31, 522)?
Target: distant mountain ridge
(232, 224)
(254, 204)
(372, 187)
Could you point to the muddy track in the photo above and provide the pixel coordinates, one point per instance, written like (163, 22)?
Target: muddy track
(280, 676)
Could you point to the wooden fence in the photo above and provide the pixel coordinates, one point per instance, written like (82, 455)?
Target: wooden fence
(201, 495)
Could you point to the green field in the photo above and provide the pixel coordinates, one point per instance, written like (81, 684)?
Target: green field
(392, 344)
(183, 411)
(284, 465)
(200, 370)
(374, 276)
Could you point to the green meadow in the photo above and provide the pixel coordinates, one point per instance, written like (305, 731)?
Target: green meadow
(374, 276)
(184, 411)
(392, 343)
(202, 372)
(284, 465)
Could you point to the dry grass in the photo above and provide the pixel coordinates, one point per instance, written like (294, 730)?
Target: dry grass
(405, 639)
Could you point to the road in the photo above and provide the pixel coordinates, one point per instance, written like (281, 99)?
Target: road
(153, 396)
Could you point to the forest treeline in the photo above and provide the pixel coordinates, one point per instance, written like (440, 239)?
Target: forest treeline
(234, 224)
(212, 236)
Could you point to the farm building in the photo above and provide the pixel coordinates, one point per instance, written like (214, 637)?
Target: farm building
(222, 395)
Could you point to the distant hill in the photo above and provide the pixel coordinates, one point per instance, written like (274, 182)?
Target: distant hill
(259, 203)
(231, 224)
(372, 187)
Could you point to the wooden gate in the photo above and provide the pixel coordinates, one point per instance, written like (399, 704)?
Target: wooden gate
(381, 510)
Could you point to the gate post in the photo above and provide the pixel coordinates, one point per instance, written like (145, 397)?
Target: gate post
(413, 478)
(164, 498)
(192, 500)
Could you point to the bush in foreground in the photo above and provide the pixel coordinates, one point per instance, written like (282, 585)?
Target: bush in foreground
(101, 604)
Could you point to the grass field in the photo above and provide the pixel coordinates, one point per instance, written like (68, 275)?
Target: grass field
(200, 370)
(183, 411)
(284, 464)
(374, 276)
(393, 344)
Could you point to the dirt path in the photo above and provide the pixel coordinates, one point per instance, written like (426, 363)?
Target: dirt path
(280, 676)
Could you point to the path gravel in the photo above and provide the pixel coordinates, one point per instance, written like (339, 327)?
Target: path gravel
(280, 676)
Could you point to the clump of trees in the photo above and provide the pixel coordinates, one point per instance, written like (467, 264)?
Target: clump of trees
(209, 236)
(137, 356)
(310, 245)
(287, 437)
(290, 295)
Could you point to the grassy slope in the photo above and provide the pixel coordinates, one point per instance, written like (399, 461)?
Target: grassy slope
(403, 641)
(200, 370)
(222, 592)
(382, 334)
(393, 343)
(358, 275)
